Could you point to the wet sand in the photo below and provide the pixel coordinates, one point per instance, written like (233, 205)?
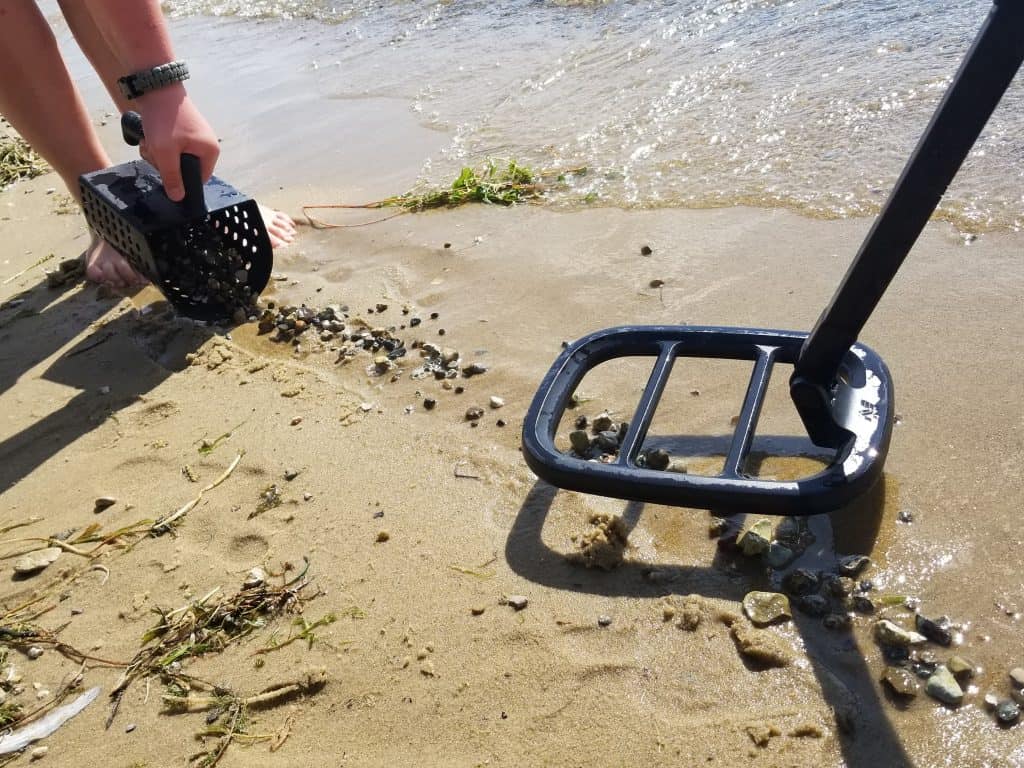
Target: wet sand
(545, 685)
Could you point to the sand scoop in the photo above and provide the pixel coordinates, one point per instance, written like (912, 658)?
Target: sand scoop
(210, 254)
(841, 389)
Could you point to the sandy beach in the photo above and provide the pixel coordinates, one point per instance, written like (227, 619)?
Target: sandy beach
(419, 525)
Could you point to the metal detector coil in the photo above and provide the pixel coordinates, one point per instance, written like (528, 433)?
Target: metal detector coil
(841, 390)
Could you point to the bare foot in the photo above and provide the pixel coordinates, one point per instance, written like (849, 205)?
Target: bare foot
(103, 264)
(280, 226)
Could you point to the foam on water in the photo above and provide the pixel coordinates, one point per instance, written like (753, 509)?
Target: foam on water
(808, 105)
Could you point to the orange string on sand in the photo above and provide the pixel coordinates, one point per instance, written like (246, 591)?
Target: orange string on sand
(321, 224)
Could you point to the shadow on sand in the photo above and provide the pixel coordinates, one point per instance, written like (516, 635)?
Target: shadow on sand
(120, 359)
(869, 739)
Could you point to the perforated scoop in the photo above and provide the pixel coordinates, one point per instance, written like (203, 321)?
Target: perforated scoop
(841, 390)
(209, 255)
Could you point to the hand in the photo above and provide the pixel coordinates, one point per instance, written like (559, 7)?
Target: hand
(173, 127)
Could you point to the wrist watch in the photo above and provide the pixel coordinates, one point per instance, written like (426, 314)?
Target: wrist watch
(134, 85)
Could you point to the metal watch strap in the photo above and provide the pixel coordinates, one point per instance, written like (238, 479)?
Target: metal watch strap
(138, 83)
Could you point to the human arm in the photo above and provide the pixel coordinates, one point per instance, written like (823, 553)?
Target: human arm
(137, 36)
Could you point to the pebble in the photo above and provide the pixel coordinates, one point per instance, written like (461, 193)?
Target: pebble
(851, 565)
(901, 681)
(862, 604)
(518, 602)
(291, 474)
(474, 413)
(801, 582)
(130, 727)
(255, 578)
(765, 607)
(429, 403)
(888, 633)
(36, 561)
(42, 694)
(296, 421)
(474, 369)
(1007, 712)
(668, 612)
(38, 753)
(645, 250)
(777, 555)
(604, 621)
(477, 610)
(755, 539)
(936, 631)
(658, 459)
(103, 502)
(961, 668)
(1017, 676)
(944, 687)
(382, 536)
(496, 402)
(905, 516)
(34, 652)
(656, 283)
(991, 701)
(813, 605)
(307, 496)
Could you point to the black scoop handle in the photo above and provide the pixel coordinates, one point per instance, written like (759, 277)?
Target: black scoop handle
(194, 203)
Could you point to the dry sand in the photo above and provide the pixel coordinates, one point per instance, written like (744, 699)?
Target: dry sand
(545, 685)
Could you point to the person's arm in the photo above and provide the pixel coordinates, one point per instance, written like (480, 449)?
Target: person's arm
(137, 36)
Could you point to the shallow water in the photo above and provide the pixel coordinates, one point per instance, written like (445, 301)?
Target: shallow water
(808, 105)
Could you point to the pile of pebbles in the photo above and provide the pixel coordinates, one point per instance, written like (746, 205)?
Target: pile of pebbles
(331, 328)
(919, 651)
(600, 439)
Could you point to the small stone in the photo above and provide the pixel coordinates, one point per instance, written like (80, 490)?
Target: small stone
(668, 612)
(813, 605)
(604, 621)
(851, 565)
(255, 578)
(936, 631)
(77, 611)
(130, 727)
(38, 753)
(1017, 676)
(296, 421)
(658, 459)
(474, 413)
(382, 536)
(37, 560)
(837, 622)
(496, 402)
(862, 604)
(717, 527)
(766, 607)
(656, 283)
(777, 555)
(961, 668)
(104, 390)
(944, 687)
(602, 423)
(905, 516)
(474, 369)
(42, 694)
(500, 423)
(103, 502)
(291, 474)
(429, 403)
(307, 496)
(888, 633)
(580, 442)
(901, 681)
(34, 652)
(1007, 712)
(477, 610)
(645, 250)
(518, 602)
(991, 701)
(754, 540)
